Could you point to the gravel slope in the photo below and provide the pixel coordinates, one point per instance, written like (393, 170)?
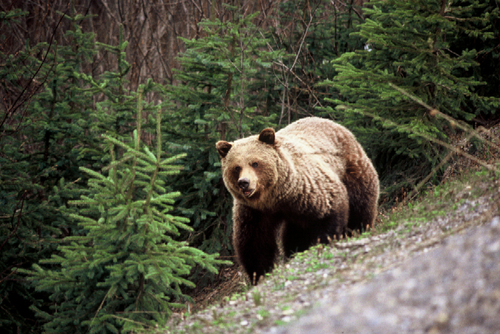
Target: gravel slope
(454, 288)
(436, 270)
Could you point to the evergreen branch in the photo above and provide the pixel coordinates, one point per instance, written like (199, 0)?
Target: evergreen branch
(152, 157)
(93, 173)
(170, 172)
(115, 168)
(453, 122)
(139, 173)
(390, 123)
(122, 213)
(173, 159)
(115, 163)
(83, 218)
(133, 321)
(100, 306)
(435, 169)
(148, 168)
(151, 187)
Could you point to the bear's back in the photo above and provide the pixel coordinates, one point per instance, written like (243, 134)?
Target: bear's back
(319, 138)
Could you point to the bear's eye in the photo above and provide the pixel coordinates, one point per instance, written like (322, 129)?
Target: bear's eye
(255, 165)
(237, 169)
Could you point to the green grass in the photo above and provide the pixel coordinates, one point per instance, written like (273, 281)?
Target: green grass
(437, 200)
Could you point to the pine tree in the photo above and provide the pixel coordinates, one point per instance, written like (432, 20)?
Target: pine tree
(40, 131)
(221, 95)
(51, 127)
(408, 60)
(124, 273)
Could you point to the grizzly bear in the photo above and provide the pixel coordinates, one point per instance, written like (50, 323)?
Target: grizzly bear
(311, 178)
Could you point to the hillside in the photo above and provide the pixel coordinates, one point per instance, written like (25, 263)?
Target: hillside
(430, 265)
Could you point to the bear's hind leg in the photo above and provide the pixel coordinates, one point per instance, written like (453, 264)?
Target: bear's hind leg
(362, 183)
(298, 238)
(302, 231)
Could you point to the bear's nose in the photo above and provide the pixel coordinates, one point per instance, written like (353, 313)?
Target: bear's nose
(243, 183)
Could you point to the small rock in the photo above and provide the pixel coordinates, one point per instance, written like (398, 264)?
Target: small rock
(442, 318)
(495, 222)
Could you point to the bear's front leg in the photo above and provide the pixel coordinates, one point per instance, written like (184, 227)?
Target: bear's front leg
(254, 240)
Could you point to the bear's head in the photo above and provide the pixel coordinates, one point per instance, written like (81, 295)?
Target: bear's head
(250, 167)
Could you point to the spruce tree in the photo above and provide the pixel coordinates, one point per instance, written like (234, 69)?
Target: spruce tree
(223, 80)
(41, 129)
(408, 59)
(52, 125)
(125, 270)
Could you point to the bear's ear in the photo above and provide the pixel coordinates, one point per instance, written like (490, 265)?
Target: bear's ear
(223, 148)
(267, 136)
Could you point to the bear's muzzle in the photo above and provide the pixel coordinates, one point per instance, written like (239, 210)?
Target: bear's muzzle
(244, 184)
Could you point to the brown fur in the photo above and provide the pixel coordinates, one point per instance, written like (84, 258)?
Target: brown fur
(312, 176)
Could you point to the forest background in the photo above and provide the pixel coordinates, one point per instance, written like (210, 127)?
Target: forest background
(111, 198)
